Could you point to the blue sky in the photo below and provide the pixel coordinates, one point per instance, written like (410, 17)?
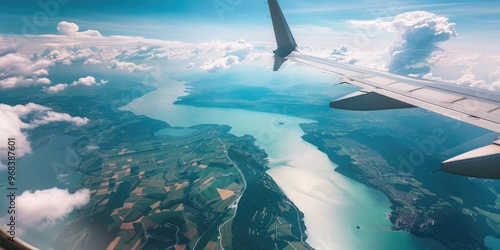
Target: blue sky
(319, 27)
(200, 18)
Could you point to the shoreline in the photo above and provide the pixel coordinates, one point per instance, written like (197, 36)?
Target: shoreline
(331, 192)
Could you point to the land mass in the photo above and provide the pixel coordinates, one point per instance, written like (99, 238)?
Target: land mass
(366, 150)
(205, 189)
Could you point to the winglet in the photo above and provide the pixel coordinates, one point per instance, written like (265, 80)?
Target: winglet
(284, 38)
(278, 61)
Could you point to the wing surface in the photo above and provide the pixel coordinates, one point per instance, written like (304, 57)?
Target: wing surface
(384, 90)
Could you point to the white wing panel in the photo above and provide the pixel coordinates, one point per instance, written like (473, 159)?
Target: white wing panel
(435, 96)
(477, 107)
(384, 90)
(404, 87)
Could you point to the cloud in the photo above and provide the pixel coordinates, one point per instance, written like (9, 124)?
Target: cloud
(143, 52)
(56, 88)
(471, 80)
(24, 110)
(130, 54)
(21, 81)
(343, 54)
(190, 66)
(17, 119)
(18, 70)
(239, 48)
(51, 116)
(88, 81)
(466, 68)
(11, 127)
(92, 61)
(474, 81)
(130, 66)
(66, 56)
(7, 46)
(72, 29)
(84, 81)
(350, 55)
(43, 208)
(219, 63)
(42, 115)
(419, 33)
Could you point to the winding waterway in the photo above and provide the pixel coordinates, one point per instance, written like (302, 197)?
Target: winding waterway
(333, 205)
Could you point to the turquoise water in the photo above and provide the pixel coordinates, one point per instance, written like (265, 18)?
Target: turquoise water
(492, 242)
(333, 205)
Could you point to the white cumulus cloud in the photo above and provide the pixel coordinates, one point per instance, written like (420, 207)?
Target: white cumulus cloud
(72, 29)
(83, 81)
(418, 36)
(42, 115)
(219, 63)
(56, 88)
(18, 70)
(42, 208)
(419, 33)
(88, 81)
(239, 48)
(130, 66)
(51, 116)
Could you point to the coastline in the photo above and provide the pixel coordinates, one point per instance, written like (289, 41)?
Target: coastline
(335, 197)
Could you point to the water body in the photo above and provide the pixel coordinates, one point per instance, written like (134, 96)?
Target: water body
(492, 242)
(51, 165)
(54, 165)
(333, 205)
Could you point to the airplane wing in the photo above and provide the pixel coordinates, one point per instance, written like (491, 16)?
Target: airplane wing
(8, 242)
(383, 90)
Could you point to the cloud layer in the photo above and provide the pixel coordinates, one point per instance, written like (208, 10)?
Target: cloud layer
(18, 70)
(17, 119)
(416, 51)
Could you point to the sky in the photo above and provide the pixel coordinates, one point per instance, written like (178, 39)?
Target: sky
(213, 18)
(59, 46)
